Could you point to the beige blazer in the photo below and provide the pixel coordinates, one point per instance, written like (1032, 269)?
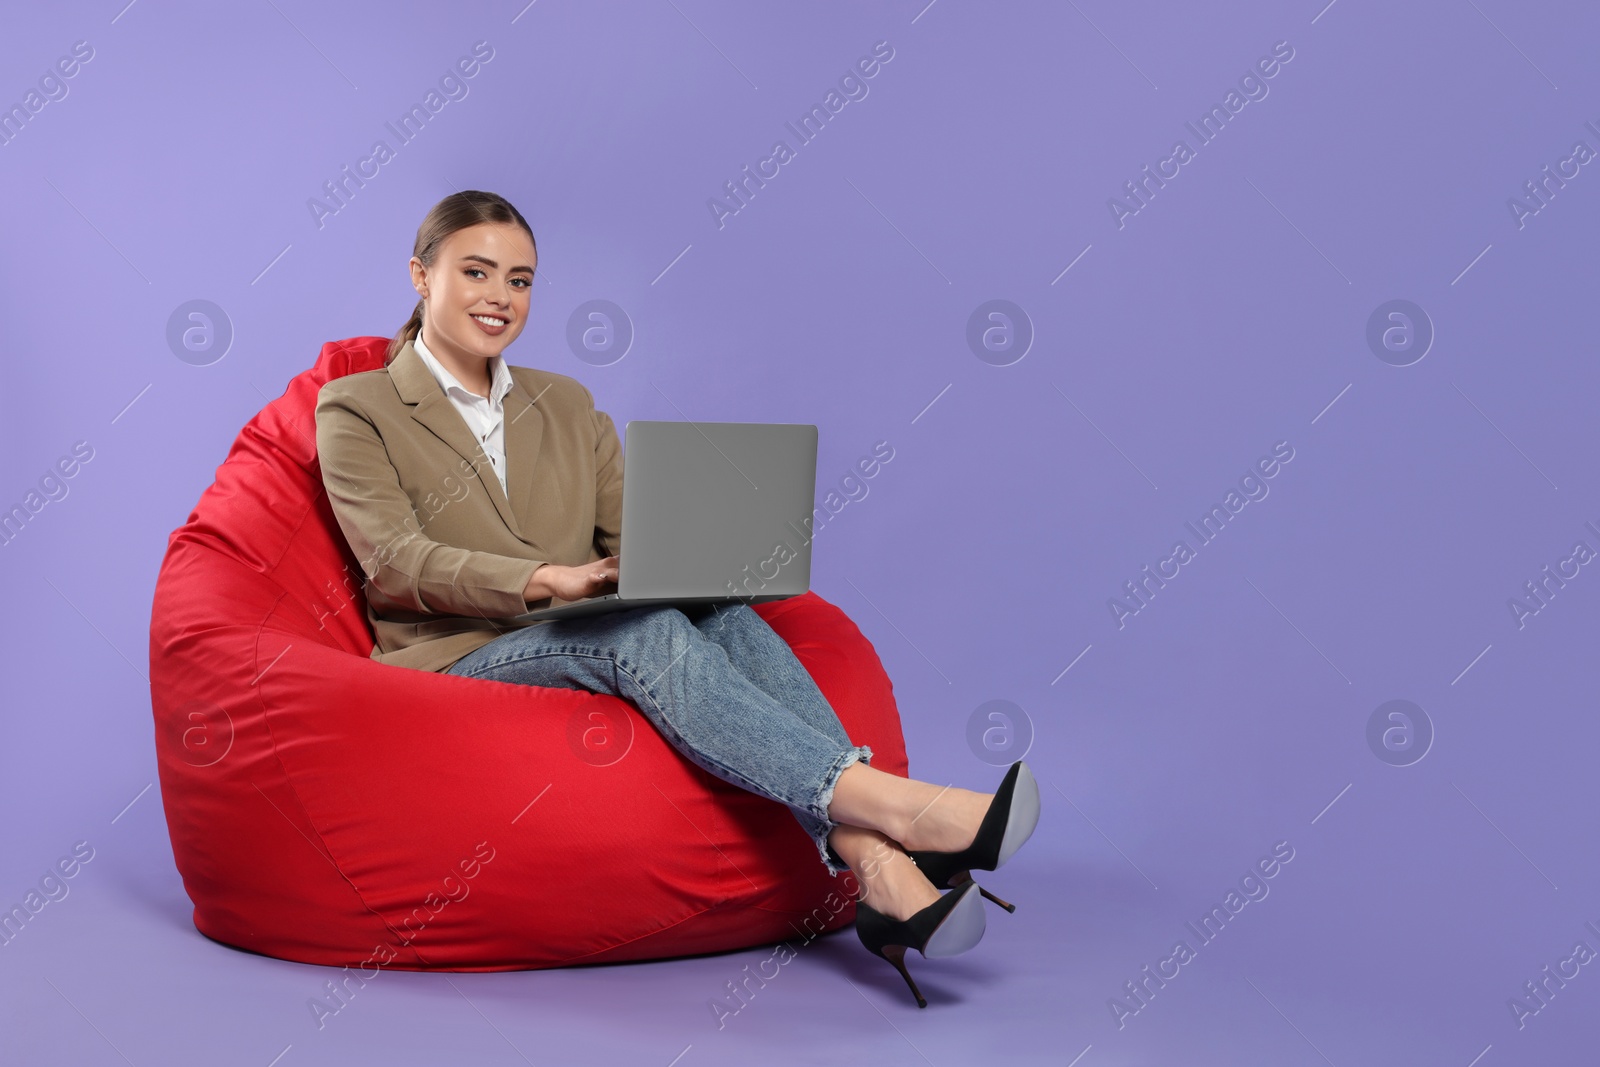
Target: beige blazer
(444, 552)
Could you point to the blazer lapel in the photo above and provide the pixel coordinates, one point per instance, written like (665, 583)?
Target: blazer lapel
(524, 430)
(419, 388)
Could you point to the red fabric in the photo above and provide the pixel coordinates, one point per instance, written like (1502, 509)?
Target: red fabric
(330, 809)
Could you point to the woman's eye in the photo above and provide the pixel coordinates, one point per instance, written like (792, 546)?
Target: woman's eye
(526, 283)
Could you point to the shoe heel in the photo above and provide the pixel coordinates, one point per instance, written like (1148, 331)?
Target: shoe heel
(948, 927)
(961, 878)
(896, 954)
(1006, 904)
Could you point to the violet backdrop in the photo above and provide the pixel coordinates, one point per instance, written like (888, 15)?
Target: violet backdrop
(1169, 319)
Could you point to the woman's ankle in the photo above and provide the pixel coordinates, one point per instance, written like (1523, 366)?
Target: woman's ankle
(948, 822)
(919, 815)
(893, 885)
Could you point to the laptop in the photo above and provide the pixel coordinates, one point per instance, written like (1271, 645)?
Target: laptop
(712, 513)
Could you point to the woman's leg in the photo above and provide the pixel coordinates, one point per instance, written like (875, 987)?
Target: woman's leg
(890, 882)
(876, 815)
(687, 687)
(757, 652)
(918, 815)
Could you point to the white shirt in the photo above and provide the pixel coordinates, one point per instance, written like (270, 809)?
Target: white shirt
(484, 416)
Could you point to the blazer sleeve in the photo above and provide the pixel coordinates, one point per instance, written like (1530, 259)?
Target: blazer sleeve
(607, 483)
(381, 526)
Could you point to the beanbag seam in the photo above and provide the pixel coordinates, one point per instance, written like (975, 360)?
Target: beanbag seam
(653, 933)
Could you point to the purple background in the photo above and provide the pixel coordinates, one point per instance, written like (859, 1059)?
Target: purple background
(1228, 314)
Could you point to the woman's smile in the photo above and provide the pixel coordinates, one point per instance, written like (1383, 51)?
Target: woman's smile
(492, 324)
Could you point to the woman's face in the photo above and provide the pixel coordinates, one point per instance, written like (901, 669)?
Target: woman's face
(483, 272)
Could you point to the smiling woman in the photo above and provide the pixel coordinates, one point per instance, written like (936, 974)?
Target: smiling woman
(487, 307)
(722, 687)
(542, 522)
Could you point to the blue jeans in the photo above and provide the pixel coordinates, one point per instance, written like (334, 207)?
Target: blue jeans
(718, 684)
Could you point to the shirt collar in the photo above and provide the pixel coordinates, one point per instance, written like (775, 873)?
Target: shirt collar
(499, 375)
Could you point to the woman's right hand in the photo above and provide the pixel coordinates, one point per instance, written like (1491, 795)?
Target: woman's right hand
(573, 583)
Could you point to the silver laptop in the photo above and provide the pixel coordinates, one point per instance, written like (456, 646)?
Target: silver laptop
(712, 513)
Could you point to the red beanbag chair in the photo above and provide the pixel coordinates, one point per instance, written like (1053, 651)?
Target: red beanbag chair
(328, 808)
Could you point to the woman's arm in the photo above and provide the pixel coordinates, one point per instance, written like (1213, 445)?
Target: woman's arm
(607, 483)
(600, 576)
(382, 529)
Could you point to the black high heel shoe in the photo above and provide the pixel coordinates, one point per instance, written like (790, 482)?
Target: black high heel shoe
(948, 927)
(1008, 823)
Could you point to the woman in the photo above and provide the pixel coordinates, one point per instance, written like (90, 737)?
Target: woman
(430, 468)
